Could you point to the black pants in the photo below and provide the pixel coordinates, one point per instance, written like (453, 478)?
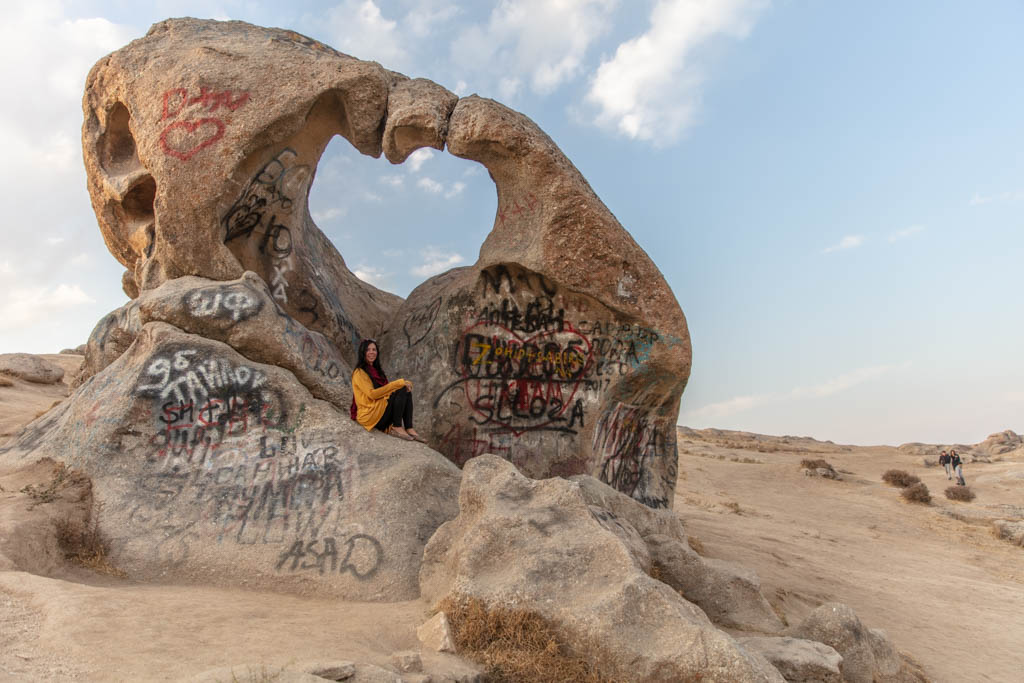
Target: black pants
(399, 411)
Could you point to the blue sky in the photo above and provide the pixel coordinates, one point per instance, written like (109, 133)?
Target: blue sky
(834, 191)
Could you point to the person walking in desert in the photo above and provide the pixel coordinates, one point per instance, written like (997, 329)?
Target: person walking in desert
(944, 461)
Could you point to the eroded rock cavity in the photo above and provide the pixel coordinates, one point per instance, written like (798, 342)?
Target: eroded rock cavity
(562, 349)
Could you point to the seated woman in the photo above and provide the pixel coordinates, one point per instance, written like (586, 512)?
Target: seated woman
(377, 403)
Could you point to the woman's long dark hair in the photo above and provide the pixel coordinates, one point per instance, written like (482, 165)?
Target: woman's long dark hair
(361, 362)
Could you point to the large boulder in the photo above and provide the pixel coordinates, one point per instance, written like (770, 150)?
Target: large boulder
(798, 660)
(212, 467)
(30, 368)
(1001, 442)
(562, 348)
(868, 655)
(201, 141)
(543, 547)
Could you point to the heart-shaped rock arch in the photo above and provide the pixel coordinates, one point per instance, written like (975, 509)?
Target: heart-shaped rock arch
(561, 349)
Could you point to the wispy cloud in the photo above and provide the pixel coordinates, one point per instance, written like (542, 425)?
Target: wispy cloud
(418, 158)
(30, 305)
(830, 387)
(534, 43)
(329, 214)
(375, 276)
(1001, 197)
(392, 180)
(455, 190)
(848, 242)
(436, 261)
(430, 185)
(651, 88)
(905, 233)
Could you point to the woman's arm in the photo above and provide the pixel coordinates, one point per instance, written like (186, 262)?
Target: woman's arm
(362, 380)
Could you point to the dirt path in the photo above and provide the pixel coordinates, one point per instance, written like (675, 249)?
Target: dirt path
(116, 631)
(948, 593)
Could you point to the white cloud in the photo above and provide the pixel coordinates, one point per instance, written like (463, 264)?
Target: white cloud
(1001, 197)
(372, 196)
(650, 89)
(430, 185)
(329, 214)
(419, 157)
(24, 306)
(358, 28)
(536, 41)
(461, 88)
(456, 189)
(374, 276)
(392, 180)
(54, 241)
(436, 261)
(422, 20)
(830, 387)
(905, 233)
(508, 87)
(842, 382)
(848, 242)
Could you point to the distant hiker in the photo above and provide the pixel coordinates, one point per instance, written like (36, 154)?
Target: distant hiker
(377, 403)
(944, 461)
(954, 460)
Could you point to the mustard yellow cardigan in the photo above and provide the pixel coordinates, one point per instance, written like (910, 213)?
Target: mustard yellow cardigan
(371, 402)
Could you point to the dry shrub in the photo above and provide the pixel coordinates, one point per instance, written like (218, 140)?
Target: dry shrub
(6, 381)
(815, 464)
(918, 493)
(513, 644)
(900, 478)
(61, 477)
(85, 545)
(735, 507)
(961, 493)
(695, 543)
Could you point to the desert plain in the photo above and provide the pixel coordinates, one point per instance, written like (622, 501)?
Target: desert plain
(936, 577)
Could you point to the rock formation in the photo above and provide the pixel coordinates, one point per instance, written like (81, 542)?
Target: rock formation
(211, 413)
(30, 368)
(562, 348)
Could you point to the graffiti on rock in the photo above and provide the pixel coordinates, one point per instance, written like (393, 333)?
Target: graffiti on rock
(360, 556)
(233, 302)
(183, 139)
(628, 442)
(531, 366)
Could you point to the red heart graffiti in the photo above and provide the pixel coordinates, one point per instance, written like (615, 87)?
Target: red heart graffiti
(475, 379)
(190, 128)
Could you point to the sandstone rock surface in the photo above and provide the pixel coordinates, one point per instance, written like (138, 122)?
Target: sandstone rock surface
(541, 546)
(562, 348)
(799, 660)
(219, 469)
(30, 368)
(868, 655)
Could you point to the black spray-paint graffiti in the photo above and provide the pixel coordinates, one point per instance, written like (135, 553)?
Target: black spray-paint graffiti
(419, 323)
(267, 200)
(361, 558)
(626, 441)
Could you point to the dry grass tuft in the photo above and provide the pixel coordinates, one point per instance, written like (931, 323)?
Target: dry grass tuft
(85, 545)
(815, 464)
(900, 478)
(734, 507)
(695, 543)
(513, 644)
(62, 477)
(918, 493)
(961, 493)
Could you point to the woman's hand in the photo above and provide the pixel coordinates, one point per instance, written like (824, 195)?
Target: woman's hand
(408, 384)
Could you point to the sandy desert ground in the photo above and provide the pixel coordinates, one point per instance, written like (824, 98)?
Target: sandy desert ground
(947, 591)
